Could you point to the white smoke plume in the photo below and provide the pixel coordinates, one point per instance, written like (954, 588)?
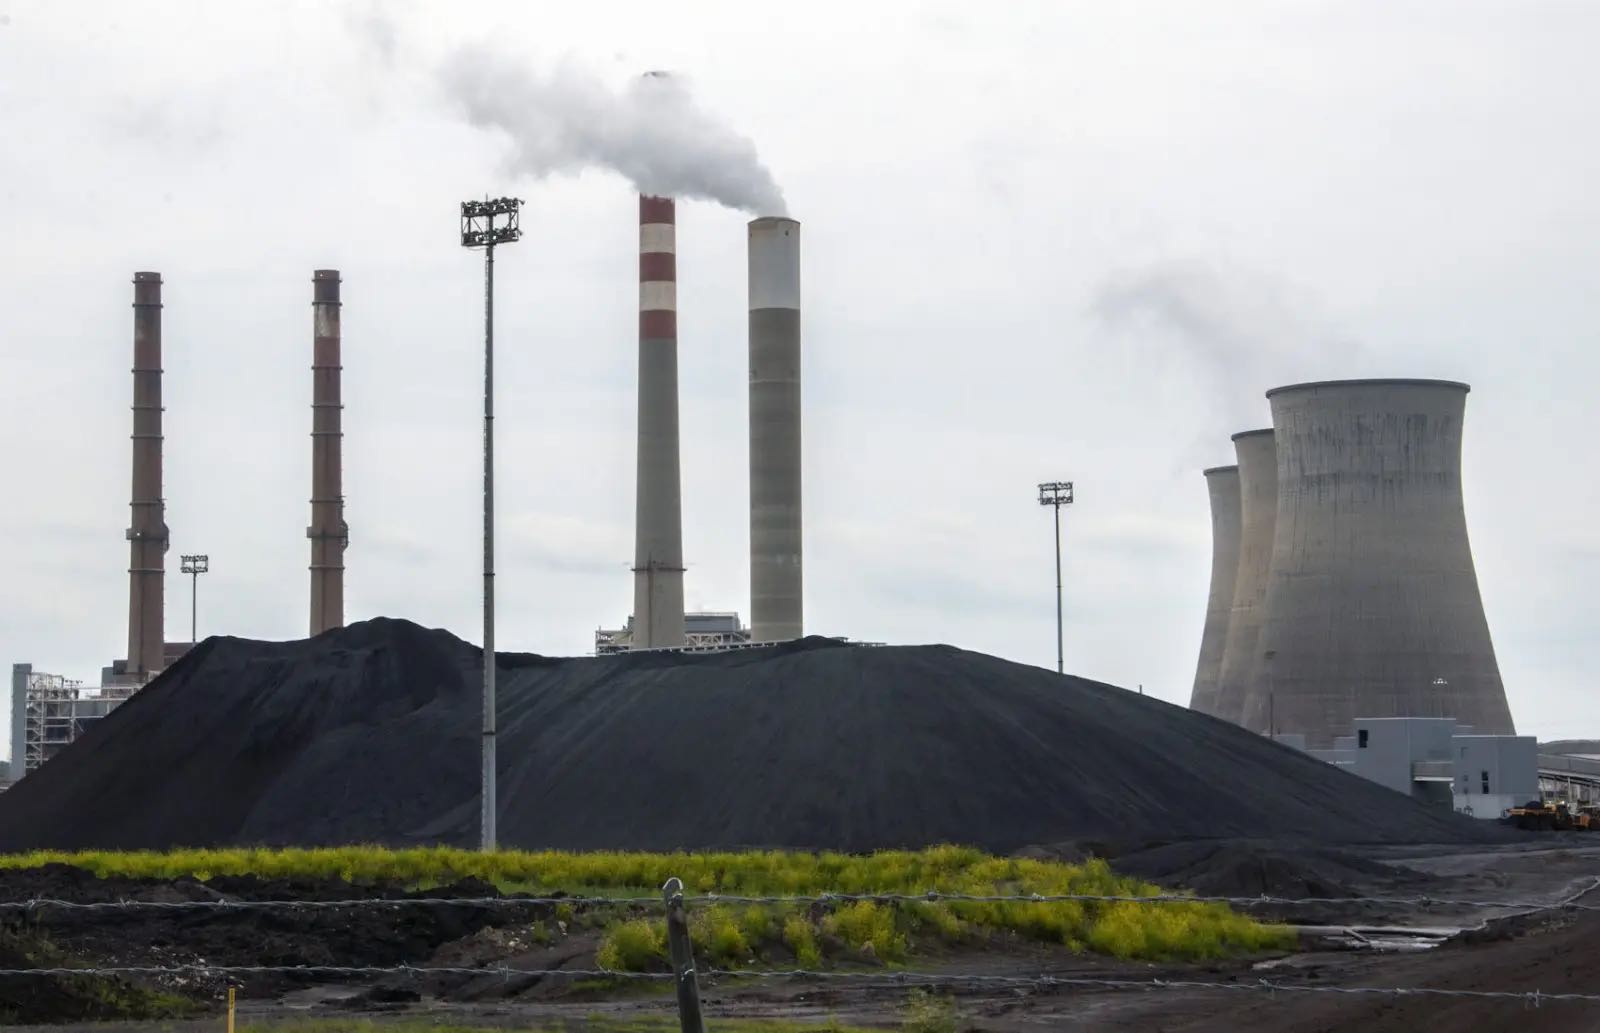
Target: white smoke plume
(652, 131)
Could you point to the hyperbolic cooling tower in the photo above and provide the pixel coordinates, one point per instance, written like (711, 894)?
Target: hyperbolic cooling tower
(1258, 508)
(658, 514)
(776, 605)
(1372, 606)
(1222, 483)
(147, 529)
(328, 532)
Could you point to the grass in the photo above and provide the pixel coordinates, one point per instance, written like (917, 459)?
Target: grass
(728, 935)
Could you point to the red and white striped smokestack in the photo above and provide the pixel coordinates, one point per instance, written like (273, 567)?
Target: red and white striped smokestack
(658, 513)
(328, 532)
(147, 529)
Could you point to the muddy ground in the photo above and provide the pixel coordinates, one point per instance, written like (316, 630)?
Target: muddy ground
(1500, 949)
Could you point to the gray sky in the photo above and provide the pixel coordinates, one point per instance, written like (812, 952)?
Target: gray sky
(1072, 240)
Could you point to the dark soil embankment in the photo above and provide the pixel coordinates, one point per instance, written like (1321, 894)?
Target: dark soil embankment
(370, 733)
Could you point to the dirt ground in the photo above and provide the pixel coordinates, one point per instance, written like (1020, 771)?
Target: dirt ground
(1499, 949)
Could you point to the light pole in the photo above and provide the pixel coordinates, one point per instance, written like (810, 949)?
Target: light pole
(483, 225)
(194, 565)
(1057, 494)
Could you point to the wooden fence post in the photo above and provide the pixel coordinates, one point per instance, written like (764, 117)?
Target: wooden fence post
(682, 951)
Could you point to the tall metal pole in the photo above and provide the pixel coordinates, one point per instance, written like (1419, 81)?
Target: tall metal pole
(488, 789)
(485, 224)
(194, 605)
(1060, 656)
(1056, 494)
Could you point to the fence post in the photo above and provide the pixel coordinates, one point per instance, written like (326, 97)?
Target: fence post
(682, 951)
(231, 992)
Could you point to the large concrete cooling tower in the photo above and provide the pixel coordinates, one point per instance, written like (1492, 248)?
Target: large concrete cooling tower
(776, 605)
(147, 528)
(328, 532)
(658, 513)
(1372, 606)
(1258, 508)
(1222, 482)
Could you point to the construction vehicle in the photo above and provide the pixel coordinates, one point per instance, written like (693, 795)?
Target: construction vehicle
(1537, 816)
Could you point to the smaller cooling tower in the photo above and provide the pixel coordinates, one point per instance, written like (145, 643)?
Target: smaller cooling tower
(1372, 606)
(1222, 482)
(1258, 507)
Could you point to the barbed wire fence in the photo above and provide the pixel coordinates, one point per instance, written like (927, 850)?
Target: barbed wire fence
(686, 975)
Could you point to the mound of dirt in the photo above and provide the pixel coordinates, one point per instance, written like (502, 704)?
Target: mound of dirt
(1245, 869)
(62, 999)
(371, 732)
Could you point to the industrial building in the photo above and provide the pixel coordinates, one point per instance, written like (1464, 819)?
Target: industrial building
(49, 712)
(704, 632)
(1438, 761)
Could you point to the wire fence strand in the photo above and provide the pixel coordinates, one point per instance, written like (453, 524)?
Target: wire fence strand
(1569, 903)
(866, 980)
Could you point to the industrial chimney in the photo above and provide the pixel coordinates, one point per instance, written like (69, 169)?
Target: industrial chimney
(776, 582)
(147, 530)
(328, 532)
(1372, 606)
(658, 514)
(1222, 482)
(1258, 509)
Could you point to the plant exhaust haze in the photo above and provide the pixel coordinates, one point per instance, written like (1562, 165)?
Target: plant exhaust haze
(652, 131)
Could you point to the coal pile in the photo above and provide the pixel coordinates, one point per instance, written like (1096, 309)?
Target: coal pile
(370, 734)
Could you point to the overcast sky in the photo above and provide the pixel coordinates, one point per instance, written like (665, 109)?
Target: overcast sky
(1054, 240)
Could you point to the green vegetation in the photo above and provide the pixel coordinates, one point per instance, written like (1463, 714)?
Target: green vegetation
(929, 1013)
(728, 935)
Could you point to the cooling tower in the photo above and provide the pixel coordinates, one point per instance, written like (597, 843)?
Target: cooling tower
(1258, 508)
(1222, 483)
(1372, 606)
(147, 529)
(776, 604)
(658, 514)
(328, 532)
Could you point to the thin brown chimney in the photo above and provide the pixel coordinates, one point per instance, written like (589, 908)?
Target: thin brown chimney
(328, 532)
(147, 530)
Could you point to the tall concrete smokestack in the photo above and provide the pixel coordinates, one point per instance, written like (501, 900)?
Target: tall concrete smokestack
(1222, 483)
(147, 529)
(1258, 512)
(328, 532)
(776, 582)
(1372, 606)
(658, 514)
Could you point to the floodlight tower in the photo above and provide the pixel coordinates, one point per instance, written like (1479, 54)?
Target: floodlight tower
(194, 564)
(1057, 494)
(483, 225)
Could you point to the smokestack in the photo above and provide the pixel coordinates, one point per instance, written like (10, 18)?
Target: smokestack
(658, 514)
(147, 530)
(1258, 512)
(1222, 483)
(328, 532)
(776, 584)
(1372, 606)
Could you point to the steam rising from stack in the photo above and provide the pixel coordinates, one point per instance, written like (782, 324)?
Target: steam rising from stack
(652, 131)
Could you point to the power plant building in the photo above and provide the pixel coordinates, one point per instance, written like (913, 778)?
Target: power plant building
(1371, 608)
(1222, 484)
